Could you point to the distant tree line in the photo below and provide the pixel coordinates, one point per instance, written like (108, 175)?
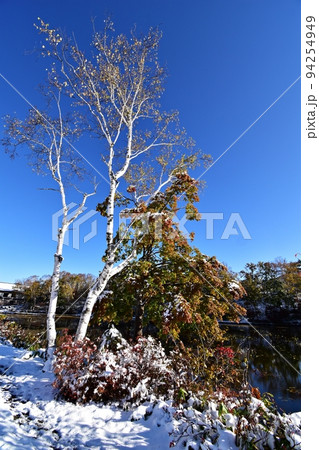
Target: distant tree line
(148, 290)
(36, 290)
(276, 284)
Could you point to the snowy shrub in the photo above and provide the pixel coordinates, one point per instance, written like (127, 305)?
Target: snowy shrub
(258, 425)
(112, 340)
(244, 422)
(130, 373)
(70, 367)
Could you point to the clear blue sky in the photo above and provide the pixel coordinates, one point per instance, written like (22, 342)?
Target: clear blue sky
(228, 61)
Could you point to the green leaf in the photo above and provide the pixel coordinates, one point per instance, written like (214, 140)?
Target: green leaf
(222, 410)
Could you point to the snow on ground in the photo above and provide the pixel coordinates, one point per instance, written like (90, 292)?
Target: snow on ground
(31, 418)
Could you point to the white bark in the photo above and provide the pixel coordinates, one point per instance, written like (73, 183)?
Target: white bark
(55, 169)
(107, 273)
(108, 270)
(51, 329)
(92, 297)
(46, 136)
(58, 258)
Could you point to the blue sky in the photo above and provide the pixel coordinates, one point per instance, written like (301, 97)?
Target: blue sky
(227, 63)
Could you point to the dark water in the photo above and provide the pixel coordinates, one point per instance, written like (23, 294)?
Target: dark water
(37, 322)
(267, 370)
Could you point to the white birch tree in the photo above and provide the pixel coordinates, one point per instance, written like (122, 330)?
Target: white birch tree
(119, 87)
(47, 139)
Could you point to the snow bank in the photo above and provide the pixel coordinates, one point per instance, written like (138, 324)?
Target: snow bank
(31, 417)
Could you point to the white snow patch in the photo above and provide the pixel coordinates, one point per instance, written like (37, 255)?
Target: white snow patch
(32, 418)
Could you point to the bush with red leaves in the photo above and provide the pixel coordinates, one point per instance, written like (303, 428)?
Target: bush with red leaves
(132, 373)
(225, 353)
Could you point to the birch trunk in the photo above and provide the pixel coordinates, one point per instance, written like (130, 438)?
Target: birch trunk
(92, 297)
(51, 328)
(106, 273)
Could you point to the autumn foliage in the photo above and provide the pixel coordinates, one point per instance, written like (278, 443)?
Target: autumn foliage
(172, 285)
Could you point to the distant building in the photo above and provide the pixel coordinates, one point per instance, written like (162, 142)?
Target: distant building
(7, 290)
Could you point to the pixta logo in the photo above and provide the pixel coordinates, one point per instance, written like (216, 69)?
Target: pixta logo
(234, 226)
(84, 218)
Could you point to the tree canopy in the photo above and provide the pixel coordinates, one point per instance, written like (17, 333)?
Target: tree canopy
(275, 283)
(172, 284)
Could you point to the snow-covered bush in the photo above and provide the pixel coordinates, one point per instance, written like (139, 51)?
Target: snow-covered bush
(135, 373)
(119, 370)
(129, 373)
(243, 422)
(258, 425)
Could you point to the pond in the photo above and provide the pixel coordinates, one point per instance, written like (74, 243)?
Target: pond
(267, 370)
